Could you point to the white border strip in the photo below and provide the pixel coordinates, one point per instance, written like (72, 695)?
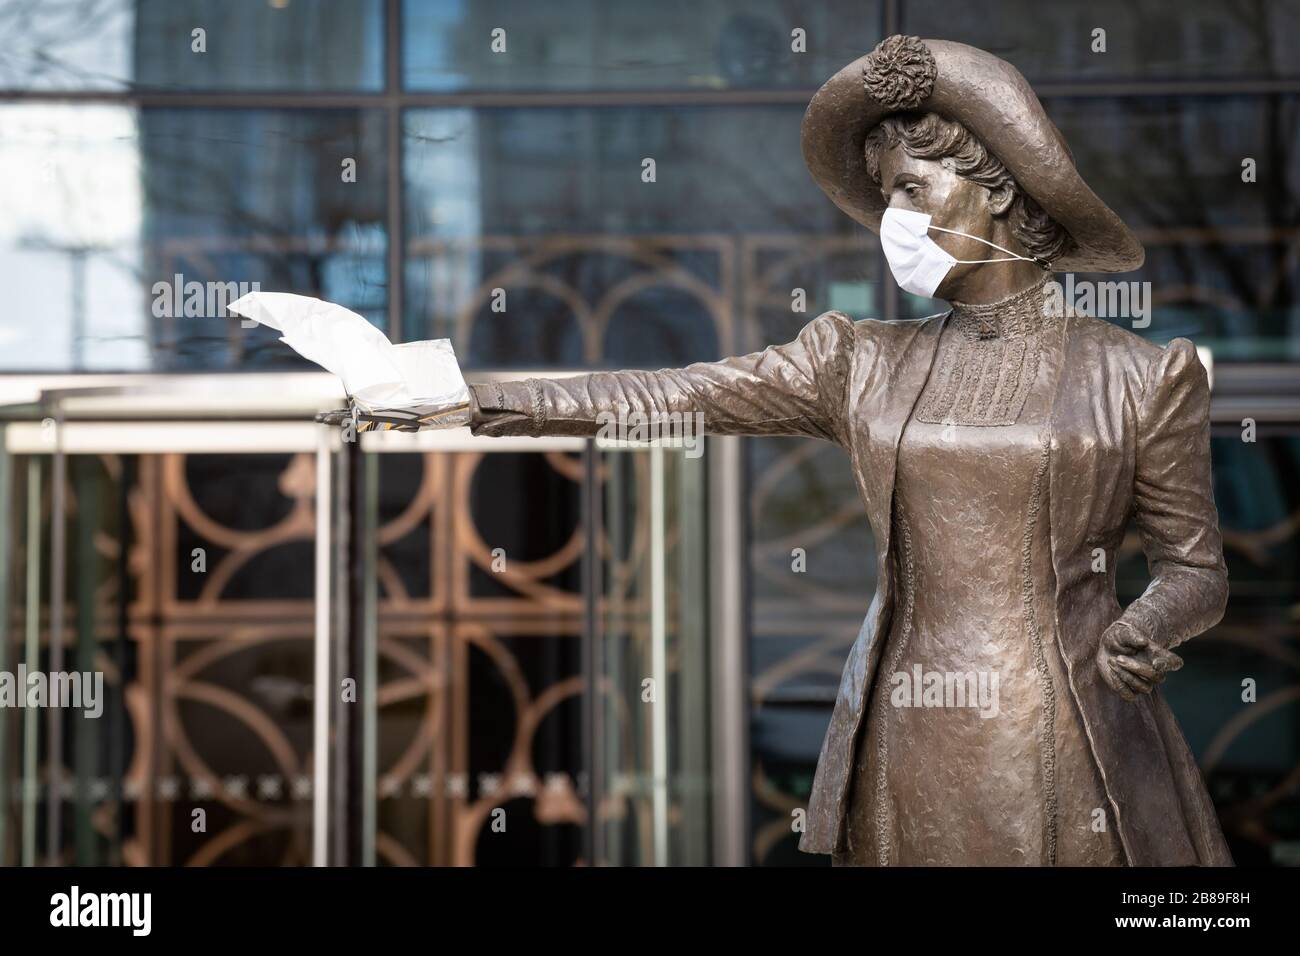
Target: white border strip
(146, 438)
(460, 439)
(249, 437)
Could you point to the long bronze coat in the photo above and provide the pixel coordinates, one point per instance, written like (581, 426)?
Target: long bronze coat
(1129, 439)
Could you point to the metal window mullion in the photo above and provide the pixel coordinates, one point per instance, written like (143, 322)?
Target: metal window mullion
(658, 660)
(393, 161)
(6, 543)
(369, 491)
(31, 656)
(728, 651)
(321, 654)
(58, 588)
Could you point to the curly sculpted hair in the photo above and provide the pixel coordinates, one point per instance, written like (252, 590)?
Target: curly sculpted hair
(931, 136)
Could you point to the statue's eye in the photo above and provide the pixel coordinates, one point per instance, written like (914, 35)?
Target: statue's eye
(911, 189)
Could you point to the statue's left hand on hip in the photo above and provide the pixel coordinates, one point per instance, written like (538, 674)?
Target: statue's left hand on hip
(1130, 664)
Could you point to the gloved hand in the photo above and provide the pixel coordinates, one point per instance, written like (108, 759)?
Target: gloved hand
(1131, 664)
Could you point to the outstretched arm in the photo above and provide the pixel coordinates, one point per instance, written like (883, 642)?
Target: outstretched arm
(793, 389)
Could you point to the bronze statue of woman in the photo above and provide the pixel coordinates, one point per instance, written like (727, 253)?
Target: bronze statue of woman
(998, 706)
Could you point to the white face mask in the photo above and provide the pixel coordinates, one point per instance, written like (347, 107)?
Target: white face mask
(918, 263)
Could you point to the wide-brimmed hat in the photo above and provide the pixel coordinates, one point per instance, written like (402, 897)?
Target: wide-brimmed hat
(990, 98)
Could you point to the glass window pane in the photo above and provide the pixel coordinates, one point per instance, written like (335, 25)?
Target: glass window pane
(1172, 162)
(71, 243)
(600, 264)
(66, 46)
(1188, 40)
(128, 230)
(594, 45)
(279, 45)
(1220, 250)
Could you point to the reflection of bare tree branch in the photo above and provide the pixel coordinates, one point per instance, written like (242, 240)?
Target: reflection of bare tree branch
(194, 170)
(199, 166)
(36, 32)
(1180, 196)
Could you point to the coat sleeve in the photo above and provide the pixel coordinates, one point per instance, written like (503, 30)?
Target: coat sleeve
(1174, 504)
(793, 389)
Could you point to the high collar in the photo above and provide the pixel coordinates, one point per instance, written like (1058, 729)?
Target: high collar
(1015, 316)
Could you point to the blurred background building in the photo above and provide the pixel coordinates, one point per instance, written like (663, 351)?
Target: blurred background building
(382, 154)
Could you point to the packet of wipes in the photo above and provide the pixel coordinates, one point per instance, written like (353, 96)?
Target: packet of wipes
(391, 387)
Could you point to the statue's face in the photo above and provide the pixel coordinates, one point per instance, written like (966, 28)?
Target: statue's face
(929, 186)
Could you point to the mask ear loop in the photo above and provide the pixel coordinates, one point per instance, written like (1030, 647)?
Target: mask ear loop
(1043, 263)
